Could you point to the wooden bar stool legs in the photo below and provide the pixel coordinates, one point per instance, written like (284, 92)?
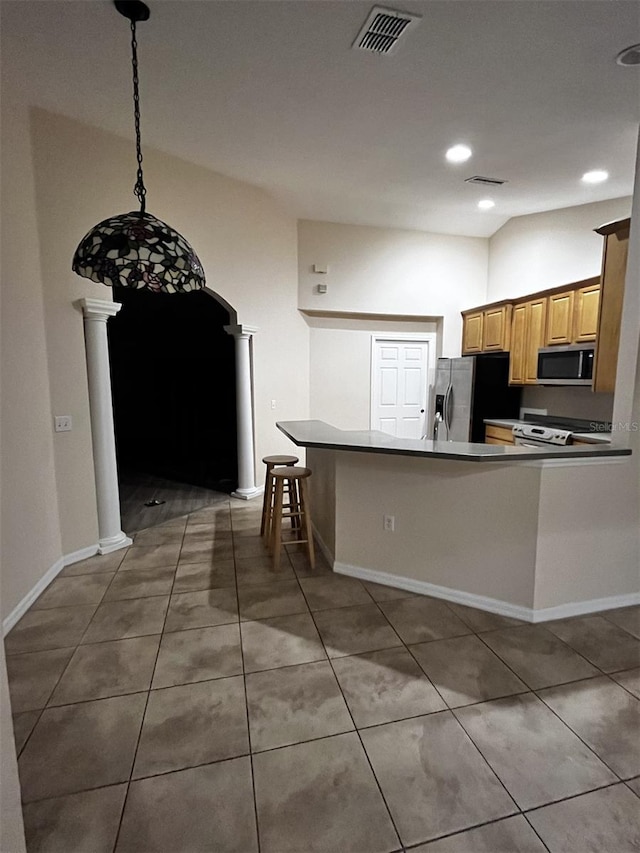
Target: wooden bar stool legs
(291, 481)
(269, 485)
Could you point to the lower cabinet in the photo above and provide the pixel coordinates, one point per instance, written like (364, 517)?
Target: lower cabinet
(498, 435)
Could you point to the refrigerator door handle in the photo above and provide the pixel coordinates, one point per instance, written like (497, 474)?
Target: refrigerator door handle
(448, 405)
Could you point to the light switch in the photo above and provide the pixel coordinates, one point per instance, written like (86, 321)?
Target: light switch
(321, 268)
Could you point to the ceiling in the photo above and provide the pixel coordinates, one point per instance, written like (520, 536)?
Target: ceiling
(272, 93)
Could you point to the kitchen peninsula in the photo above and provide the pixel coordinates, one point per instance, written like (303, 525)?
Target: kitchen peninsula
(467, 522)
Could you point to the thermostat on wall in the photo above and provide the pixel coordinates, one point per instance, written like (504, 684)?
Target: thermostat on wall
(321, 268)
(321, 288)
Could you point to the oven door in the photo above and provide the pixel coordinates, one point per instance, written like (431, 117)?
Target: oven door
(531, 442)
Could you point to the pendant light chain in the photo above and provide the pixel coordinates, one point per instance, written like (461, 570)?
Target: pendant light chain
(139, 189)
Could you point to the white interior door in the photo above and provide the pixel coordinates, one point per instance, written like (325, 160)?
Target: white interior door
(400, 387)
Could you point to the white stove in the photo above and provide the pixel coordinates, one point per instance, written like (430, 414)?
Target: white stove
(532, 435)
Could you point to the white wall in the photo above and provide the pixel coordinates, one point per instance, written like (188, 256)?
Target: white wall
(387, 271)
(544, 250)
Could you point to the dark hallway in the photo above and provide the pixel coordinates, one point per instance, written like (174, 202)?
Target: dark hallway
(173, 380)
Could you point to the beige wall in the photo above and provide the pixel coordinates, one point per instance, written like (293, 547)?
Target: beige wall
(544, 250)
(392, 272)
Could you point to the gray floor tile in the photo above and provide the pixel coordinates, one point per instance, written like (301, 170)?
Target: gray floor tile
(66, 592)
(151, 556)
(522, 740)
(627, 618)
(119, 620)
(202, 609)
(23, 725)
(261, 601)
(220, 815)
(320, 796)
(107, 669)
(218, 517)
(249, 546)
(33, 676)
(301, 566)
(599, 641)
(259, 570)
(192, 724)
(538, 657)
(464, 670)
(601, 821)
(329, 591)
(384, 686)
(294, 704)
(380, 592)
(433, 778)
(421, 619)
(140, 584)
(159, 536)
(204, 550)
(629, 679)
(83, 822)
(198, 655)
(350, 630)
(49, 629)
(95, 565)
(81, 746)
(192, 577)
(511, 835)
(605, 716)
(482, 620)
(281, 641)
(634, 784)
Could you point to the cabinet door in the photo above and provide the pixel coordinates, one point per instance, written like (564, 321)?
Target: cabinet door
(586, 316)
(518, 344)
(614, 266)
(560, 318)
(472, 332)
(536, 325)
(496, 333)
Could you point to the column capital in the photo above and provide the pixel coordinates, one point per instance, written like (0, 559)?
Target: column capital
(98, 309)
(241, 330)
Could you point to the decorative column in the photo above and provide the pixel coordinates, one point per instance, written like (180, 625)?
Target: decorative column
(96, 313)
(247, 488)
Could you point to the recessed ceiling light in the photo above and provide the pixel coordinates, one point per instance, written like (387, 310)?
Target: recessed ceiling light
(486, 204)
(597, 176)
(629, 56)
(458, 154)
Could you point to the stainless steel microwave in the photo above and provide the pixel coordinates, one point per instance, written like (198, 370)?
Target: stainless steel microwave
(571, 365)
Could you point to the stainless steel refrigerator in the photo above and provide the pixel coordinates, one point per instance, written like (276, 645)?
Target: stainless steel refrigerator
(468, 390)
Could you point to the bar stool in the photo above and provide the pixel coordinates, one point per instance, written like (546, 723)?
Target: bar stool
(295, 481)
(269, 488)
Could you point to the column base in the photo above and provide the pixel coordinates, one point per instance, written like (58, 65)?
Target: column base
(114, 543)
(248, 494)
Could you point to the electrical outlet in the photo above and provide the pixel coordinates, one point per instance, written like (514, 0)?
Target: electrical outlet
(389, 523)
(273, 404)
(63, 423)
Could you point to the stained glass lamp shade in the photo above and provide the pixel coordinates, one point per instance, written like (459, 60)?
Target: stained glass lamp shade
(135, 249)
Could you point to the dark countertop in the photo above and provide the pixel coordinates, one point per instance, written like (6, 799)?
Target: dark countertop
(322, 435)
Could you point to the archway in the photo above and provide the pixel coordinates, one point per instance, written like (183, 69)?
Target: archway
(173, 373)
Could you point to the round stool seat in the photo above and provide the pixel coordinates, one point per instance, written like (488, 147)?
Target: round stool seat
(291, 472)
(283, 459)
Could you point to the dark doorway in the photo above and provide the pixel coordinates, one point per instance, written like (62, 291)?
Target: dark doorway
(173, 380)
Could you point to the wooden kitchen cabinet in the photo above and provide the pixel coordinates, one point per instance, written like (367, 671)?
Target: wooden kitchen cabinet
(487, 330)
(560, 318)
(586, 311)
(527, 337)
(498, 435)
(614, 267)
(472, 332)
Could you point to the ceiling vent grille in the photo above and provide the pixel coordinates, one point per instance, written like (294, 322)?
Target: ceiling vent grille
(382, 30)
(485, 182)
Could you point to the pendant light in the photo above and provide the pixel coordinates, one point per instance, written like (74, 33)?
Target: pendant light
(135, 249)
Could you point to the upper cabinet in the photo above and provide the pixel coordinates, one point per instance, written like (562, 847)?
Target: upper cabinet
(527, 337)
(486, 330)
(614, 267)
(587, 304)
(560, 318)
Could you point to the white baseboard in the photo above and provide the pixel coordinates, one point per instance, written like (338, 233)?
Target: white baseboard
(67, 560)
(491, 605)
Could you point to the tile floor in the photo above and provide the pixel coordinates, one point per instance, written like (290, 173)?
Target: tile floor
(179, 696)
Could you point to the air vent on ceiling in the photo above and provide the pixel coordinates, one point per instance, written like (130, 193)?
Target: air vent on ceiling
(485, 182)
(382, 30)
